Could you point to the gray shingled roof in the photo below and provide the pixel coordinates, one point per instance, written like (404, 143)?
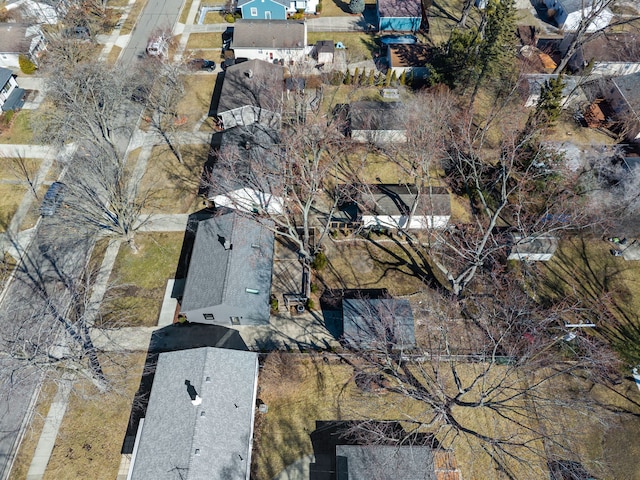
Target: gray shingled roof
(212, 440)
(255, 83)
(540, 244)
(241, 149)
(571, 6)
(5, 75)
(16, 37)
(268, 34)
(396, 199)
(374, 323)
(370, 115)
(219, 275)
(400, 8)
(384, 462)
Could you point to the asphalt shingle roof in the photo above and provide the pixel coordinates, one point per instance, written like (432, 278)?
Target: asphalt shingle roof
(253, 83)
(219, 275)
(400, 8)
(385, 462)
(376, 322)
(269, 34)
(371, 115)
(180, 440)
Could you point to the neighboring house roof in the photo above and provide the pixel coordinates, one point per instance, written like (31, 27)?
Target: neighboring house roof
(371, 115)
(239, 150)
(397, 199)
(180, 439)
(409, 55)
(284, 34)
(400, 8)
(377, 322)
(618, 47)
(384, 462)
(284, 3)
(17, 37)
(571, 6)
(231, 264)
(629, 88)
(253, 83)
(5, 76)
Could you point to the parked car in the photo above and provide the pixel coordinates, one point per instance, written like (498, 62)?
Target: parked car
(202, 64)
(158, 46)
(52, 199)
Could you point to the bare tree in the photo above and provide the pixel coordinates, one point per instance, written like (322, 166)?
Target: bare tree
(585, 31)
(90, 105)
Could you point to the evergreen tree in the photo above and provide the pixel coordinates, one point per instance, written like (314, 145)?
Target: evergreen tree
(356, 6)
(394, 79)
(347, 77)
(403, 77)
(356, 77)
(372, 78)
(387, 78)
(550, 103)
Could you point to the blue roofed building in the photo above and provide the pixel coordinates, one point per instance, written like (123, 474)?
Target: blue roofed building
(263, 9)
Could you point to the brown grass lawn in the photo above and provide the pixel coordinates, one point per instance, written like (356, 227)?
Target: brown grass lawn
(444, 15)
(359, 46)
(375, 263)
(20, 131)
(175, 185)
(132, 18)
(33, 214)
(32, 435)
(10, 197)
(112, 58)
(302, 389)
(196, 100)
(213, 17)
(204, 40)
(93, 429)
(143, 277)
(185, 11)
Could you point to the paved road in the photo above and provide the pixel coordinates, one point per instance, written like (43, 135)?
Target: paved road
(157, 14)
(56, 255)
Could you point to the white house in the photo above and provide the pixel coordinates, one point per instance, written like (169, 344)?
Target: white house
(567, 14)
(11, 97)
(19, 39)
(43, 12)
(270, 40)
(243, 175)
(534, 248)
(251, 93)
(403, 206)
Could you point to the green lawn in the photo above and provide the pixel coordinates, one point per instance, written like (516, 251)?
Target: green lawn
(143, 277)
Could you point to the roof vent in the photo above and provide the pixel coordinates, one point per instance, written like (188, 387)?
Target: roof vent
(202, 414)
(250, 73)
(252, 290)
(197, 401)
(228, 245)
(197, 452)
(208, 379)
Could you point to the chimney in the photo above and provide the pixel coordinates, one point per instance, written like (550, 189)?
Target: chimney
(196, 401)
(227, 245)
(250, 73)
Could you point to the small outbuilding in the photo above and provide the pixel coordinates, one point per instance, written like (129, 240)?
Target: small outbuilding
(378, 323)
(324, 51)
(377, 122)
(11, 96)
(534, 248)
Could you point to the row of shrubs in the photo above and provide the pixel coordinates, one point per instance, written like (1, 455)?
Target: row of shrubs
(371, 79)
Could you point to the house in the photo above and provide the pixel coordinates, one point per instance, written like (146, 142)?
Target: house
(41, 12)
(533, 83)
(243, 172)
(539, 248)
(410, 59)
(200, 418)
(324, 51)
(275, 9)
(567, 14)
(377, 122)
(612, 54)
(229, 277)
(396, 206)
(399, 15)
(378, 323)
(251, 93)
(11, 97)
(19, 39)
(263, 9)
(623, 97)
(270, 40)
